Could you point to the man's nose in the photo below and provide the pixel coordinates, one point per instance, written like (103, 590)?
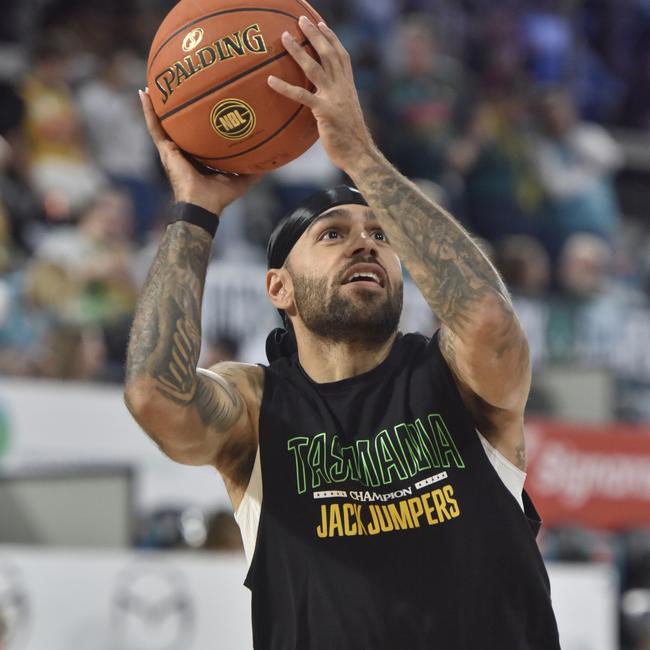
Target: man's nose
(363, 243)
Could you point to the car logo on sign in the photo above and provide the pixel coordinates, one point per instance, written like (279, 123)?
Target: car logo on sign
(152, 609)
(15, 614)
(192, 39)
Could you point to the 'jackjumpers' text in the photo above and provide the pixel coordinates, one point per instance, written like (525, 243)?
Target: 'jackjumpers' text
(352, 519)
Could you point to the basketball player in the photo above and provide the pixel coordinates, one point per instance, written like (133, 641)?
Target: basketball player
(377, 477)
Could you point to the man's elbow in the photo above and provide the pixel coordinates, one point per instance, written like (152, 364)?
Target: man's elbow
(138, 400)
(151, 410)
(165, 425)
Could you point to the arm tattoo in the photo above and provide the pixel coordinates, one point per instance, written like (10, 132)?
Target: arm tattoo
(448, 267)
(165, 340)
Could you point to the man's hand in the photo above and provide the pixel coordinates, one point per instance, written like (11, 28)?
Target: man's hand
(335, 104)
(213, 193)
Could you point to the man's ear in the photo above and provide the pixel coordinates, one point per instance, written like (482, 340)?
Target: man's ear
(279, 289)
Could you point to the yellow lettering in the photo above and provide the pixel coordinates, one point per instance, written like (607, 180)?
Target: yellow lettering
(336, 525)
(357, 511)
(385, 521)
(402, 519)
(454, 510)
(374, 526)
(349, 528)
(321, 530)
(440, 504)
(417, 510)
(428, 509)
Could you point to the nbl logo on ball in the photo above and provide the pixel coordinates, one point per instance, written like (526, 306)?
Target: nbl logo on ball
(233, 119)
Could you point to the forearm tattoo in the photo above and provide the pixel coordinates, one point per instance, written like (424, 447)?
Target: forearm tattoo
(165, 340)
(450, 270)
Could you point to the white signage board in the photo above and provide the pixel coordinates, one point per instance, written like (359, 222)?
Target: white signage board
(585, 601)
(73, 423)
(58, 600)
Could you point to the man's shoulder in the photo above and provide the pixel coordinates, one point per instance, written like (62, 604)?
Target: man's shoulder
(247, 378)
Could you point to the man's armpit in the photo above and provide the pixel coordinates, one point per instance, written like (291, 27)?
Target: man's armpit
(218, 402)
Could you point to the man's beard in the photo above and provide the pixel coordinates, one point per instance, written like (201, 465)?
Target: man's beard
(367, 318)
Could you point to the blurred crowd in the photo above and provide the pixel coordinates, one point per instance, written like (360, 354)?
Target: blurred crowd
(526, 118)
(510, 114)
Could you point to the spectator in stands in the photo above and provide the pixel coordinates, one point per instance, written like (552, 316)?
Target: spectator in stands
(38, 336)
(99, 255)
(502, 192)
(60, 167)
(419, 103)
(20, 211)
(575, 162)
(548, 42)
(635, 112)
(584, 266)
(117, 134)
(494, 50)
(524, 265)
(218, 349)
(303, 177)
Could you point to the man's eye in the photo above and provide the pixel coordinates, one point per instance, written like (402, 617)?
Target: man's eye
(379, 235)
(331, 234)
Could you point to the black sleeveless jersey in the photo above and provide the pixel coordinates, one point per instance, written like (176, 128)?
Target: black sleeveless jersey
(384, 525)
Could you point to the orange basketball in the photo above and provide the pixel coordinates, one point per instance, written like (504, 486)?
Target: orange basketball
(207, 72)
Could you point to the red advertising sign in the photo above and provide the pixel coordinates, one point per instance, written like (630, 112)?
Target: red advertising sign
(588, 475)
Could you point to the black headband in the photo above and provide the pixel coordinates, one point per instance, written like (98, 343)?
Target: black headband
(291, 228)
(281, 342)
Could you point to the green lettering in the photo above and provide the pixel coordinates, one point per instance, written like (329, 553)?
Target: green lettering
(295, 445)
(389, 458)
(317, 460)
(446, 444)
(367, 470)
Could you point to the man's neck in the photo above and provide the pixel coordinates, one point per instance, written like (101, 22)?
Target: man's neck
(327, 361)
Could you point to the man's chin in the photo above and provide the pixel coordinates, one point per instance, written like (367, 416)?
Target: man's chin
(363, 295)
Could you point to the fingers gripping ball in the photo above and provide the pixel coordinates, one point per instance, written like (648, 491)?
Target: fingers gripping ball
(207, 72)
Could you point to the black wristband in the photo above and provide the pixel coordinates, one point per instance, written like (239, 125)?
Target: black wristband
(195, 215)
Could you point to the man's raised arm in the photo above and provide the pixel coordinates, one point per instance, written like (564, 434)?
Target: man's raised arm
(481, 337)
(195, 417)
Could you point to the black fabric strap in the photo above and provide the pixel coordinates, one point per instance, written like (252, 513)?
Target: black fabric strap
(195, 215)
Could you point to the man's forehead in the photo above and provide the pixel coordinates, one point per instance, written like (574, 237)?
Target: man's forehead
(350, 211)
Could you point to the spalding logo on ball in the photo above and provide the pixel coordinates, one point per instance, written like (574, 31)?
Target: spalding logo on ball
(207, 73)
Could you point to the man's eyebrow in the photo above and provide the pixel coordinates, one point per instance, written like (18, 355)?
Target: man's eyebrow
(338, 213)
(334, 213)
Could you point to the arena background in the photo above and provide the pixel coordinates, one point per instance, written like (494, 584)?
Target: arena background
(529, 119)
